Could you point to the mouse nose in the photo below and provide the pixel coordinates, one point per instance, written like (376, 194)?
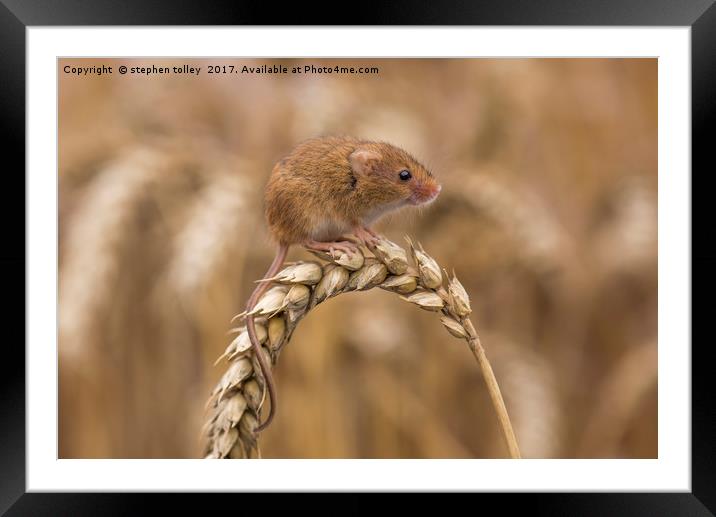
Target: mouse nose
(435, 191)
(425, 193)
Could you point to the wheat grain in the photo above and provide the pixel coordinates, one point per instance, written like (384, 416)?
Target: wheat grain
(230, 430)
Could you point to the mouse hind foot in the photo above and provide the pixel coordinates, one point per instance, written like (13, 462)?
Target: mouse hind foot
(331, 247)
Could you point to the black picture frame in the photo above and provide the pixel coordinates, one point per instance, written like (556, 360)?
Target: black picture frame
(17, 15)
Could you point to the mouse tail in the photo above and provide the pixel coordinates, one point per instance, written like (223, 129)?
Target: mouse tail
(260, 289)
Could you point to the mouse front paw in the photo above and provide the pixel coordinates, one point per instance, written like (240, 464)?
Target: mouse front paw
(367, 236)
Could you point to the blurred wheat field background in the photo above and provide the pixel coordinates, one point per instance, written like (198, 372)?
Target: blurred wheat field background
(548, 214)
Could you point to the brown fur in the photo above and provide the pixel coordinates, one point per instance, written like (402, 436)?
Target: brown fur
(315, 194)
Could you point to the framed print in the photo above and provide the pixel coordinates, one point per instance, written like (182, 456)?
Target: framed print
(399, 257)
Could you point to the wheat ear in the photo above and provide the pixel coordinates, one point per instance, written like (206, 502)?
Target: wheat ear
(236, 401)
(98, 234)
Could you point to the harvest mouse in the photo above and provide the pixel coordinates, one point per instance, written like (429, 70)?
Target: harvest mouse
(326, 188)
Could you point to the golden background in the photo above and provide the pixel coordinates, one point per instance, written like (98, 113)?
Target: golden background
(547, 214)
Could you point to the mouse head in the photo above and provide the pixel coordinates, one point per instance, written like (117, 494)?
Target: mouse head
(390, 176)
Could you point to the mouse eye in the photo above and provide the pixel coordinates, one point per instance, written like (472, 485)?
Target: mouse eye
(405, 175)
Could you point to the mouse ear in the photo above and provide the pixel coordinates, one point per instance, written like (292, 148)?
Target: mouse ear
(363, 161)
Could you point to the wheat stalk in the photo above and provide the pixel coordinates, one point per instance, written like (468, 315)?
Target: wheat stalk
(236, 401)
(530, 388)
